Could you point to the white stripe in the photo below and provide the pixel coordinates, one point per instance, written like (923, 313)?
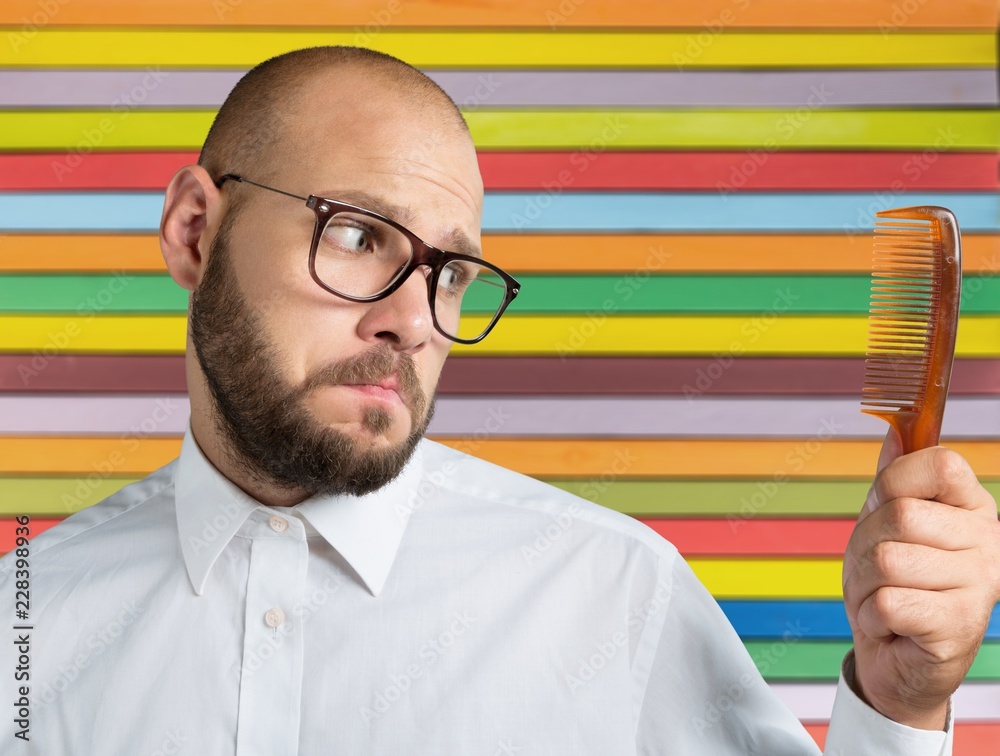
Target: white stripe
(814, 701)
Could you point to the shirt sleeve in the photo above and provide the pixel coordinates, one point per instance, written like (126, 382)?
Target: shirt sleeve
(853, 719)
(705, 694)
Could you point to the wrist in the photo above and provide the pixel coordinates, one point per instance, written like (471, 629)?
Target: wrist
(933, 718)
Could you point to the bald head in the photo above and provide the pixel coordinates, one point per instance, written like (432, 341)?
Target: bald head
(265, 106)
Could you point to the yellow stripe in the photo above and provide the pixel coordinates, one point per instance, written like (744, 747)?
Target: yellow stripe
(563, 335)
(763, 334)
(770, 578)
(54, 47)
(49, 334)
(87, 130)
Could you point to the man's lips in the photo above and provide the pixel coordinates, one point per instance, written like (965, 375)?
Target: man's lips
(386, 389)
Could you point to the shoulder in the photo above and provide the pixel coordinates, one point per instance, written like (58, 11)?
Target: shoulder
(487, 487)
(104, 527)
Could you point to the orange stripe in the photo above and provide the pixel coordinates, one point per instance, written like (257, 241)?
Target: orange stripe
(597, 459)
(81, 252)
(101, 456)
(371, 16)
(709, 252)
(609, 459)
(608, 253)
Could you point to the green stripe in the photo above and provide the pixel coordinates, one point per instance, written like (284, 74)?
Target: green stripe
(594, 131)
(640, 292)
(92, 293)
(738, 498)
(637, 292)
(57, 497)
(794, 659)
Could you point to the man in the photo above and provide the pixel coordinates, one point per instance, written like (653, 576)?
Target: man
(310, 576)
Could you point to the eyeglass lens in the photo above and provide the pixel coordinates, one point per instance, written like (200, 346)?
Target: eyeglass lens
(360, 256)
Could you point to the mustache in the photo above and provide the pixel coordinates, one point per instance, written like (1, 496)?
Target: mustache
(373, 366)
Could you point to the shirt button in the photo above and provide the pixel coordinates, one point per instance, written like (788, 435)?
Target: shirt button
(278, 524)
(274, 617)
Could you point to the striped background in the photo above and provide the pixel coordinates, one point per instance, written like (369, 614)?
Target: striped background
(686, 190)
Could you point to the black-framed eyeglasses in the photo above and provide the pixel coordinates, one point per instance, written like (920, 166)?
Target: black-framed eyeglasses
(362, 256)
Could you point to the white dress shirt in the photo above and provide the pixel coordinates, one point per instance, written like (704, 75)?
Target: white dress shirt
(463, 609)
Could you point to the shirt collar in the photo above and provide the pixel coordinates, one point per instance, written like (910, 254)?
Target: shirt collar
(365, 530)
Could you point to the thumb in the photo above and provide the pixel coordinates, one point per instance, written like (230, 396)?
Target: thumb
(892, 447)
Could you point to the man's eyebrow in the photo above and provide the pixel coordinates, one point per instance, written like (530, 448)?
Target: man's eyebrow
(455, 240)
(404, 216)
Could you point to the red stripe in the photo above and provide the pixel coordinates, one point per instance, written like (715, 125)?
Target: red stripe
(9, 526)
(582, 170)
(731, 536)
(754, 170)
(103, 170)
(971, 738)
(745, 536)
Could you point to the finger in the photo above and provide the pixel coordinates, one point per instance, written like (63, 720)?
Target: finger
(907, 565)
(915, 521)
(949, 624)
(938, 474)
(930, 523)
(908, 612)
(892, 447)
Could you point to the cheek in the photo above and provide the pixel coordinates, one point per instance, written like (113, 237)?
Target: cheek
(430, 366)
(308, 325)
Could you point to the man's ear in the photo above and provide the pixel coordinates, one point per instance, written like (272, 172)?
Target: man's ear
(192, 209)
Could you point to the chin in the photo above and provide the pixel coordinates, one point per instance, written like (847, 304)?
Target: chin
(383, 429)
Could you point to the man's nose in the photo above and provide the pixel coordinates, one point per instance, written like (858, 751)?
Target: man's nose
(404, 317)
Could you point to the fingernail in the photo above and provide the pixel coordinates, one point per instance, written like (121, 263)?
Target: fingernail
(871, 501)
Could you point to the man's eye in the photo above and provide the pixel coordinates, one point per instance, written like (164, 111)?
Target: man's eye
(350, 238)
(455, 277)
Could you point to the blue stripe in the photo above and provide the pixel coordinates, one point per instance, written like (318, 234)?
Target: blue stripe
(811, 619)
(842, 213)
(850, 213)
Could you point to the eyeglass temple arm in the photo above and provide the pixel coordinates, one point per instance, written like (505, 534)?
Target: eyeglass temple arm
(235, 177)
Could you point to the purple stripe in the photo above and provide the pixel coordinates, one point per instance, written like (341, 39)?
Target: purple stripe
(152, 87)
(97, 415)
(677, 417)
(525, 416)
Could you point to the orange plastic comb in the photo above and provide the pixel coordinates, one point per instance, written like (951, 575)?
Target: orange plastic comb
(913, 320)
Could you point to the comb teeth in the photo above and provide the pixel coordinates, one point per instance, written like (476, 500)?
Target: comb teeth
(906, 289)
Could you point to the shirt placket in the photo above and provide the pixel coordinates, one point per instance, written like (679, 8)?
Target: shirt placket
(271, 675)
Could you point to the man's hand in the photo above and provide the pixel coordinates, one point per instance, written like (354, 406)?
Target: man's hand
(921, 578)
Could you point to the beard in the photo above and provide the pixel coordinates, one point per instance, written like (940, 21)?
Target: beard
(269, 434)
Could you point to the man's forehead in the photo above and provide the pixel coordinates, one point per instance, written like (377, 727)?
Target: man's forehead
(359, 134)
